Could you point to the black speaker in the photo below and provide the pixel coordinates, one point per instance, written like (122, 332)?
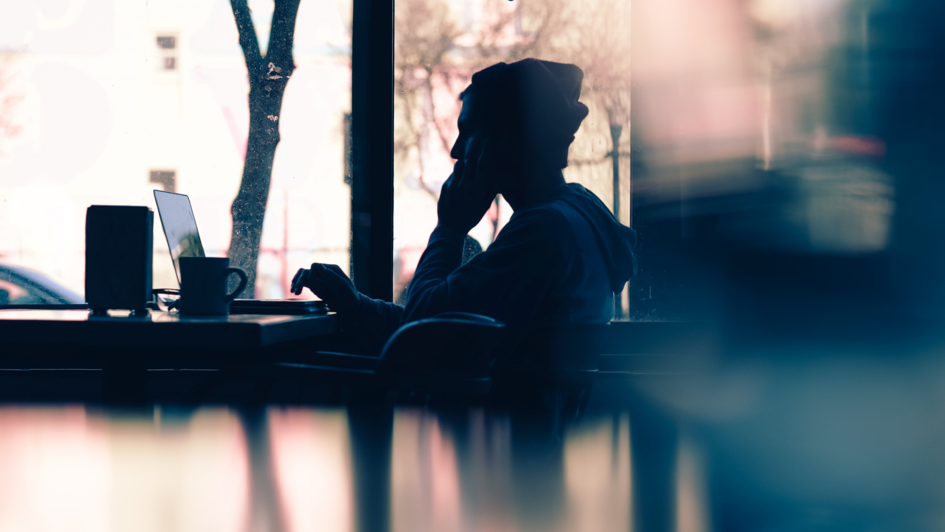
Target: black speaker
(118, 250)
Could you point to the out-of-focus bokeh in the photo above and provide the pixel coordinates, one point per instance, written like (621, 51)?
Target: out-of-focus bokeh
(761, 130)
(294, 470)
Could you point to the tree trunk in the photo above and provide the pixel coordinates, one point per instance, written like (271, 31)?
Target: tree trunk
(268, 77)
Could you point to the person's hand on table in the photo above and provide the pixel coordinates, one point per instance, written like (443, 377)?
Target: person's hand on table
(468, 193)
(330, 284)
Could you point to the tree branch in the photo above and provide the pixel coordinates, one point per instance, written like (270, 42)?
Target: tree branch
(444, 142)
(247, 33)
(281, 36)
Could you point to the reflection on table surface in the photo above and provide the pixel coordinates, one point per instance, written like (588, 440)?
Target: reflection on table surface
(212, 469)
(155, 316)
(56, 315)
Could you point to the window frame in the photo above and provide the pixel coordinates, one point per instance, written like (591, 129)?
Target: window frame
(372, 148)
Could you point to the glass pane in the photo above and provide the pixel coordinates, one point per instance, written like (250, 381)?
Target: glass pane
(102, 102)
(439, 44)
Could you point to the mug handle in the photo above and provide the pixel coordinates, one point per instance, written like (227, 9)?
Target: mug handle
(243, 281)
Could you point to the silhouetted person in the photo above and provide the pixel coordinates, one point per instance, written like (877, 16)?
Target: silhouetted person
(561, 256)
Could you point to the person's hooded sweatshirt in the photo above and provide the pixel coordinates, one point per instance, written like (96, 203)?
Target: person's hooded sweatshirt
(557, 262)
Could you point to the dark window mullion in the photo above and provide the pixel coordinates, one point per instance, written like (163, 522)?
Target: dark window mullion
(372, 131)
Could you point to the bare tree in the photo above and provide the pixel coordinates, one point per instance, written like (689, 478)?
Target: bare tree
(268, 76)
(531, 29)
(428, 53)
(425, 34)
(597, 40)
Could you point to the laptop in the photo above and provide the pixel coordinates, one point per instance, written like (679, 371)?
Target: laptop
(183, 240)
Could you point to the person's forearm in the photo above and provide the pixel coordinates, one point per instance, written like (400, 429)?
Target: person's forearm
(379, 315)
(427, 294)
(373, 322)
(444, 253)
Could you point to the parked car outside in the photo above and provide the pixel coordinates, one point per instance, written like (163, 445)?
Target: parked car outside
(22, 286)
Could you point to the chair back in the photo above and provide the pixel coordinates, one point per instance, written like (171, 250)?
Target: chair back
(560, 347)
(556, 363)
(442, 349)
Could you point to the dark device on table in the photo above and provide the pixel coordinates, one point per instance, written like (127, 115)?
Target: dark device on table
(183, 240)
(277, 306)
(118, 252)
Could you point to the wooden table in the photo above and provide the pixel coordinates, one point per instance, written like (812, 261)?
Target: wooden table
(126, 346)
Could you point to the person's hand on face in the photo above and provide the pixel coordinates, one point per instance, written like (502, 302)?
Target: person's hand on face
(330, 284)
(469, 191)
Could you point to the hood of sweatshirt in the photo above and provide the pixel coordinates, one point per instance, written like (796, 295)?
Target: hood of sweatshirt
(616, 240)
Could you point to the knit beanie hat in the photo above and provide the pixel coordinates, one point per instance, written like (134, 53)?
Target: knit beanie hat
(536, 102)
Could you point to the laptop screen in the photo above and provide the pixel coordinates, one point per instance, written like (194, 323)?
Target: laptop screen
(180, 226)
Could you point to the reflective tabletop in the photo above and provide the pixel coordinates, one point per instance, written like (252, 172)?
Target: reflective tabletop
(82, 328)
(293, 469)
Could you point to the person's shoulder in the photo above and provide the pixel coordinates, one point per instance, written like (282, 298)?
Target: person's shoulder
(544, 219)
(542, 227)
(577, 193)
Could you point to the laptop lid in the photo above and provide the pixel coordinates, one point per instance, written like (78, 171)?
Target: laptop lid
(180, 227)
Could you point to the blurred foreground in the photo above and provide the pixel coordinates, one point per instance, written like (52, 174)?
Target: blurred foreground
(71, 468)
(791, 436)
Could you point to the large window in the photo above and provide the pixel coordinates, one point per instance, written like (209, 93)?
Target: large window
(103, 101)
(439, 44)
(753, 121)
